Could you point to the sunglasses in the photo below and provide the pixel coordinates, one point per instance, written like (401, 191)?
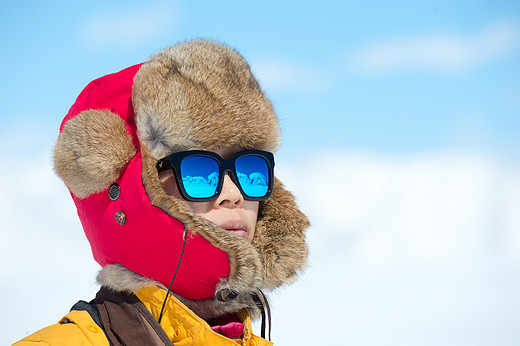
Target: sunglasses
(200, 174)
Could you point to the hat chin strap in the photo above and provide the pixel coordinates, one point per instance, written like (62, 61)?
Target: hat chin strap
(185, 236)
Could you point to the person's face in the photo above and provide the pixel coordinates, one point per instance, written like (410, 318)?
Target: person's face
(229, 211)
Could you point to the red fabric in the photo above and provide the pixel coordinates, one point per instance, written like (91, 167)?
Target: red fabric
(229, 326)
(150, 241)
(232, 330)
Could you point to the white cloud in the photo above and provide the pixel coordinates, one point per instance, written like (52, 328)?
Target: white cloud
(405, 251)
(46, 261)
(129, 27)
(422, 250)
(276, 74)
(434, 207)
(438, 52)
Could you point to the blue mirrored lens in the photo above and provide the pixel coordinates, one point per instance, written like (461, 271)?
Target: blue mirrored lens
(253, 175)
(199, 176)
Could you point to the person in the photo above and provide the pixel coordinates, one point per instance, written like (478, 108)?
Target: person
(170, 165)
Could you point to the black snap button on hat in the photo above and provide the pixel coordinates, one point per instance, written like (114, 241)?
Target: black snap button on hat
(114, 191)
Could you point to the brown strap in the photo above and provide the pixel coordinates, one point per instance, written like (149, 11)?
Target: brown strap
(126, 320)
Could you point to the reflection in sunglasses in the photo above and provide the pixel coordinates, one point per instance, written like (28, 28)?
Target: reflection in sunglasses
(254, 185)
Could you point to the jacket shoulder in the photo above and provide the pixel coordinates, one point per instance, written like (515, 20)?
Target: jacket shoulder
(76, 328)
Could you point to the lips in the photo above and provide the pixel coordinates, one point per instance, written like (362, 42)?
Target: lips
(237, 227)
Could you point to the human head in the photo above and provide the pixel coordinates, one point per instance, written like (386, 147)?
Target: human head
(196, 95)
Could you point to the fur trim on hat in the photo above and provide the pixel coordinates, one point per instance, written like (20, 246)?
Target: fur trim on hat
(280, 238)
(91, 151)
(121, 279)
(201, 95)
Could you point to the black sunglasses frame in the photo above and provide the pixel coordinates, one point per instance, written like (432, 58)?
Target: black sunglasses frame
(173, 162)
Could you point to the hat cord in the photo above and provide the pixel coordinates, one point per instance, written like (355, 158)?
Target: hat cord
(185, 236)
(261, 303)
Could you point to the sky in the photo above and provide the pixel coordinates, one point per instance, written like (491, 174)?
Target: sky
(401, 142)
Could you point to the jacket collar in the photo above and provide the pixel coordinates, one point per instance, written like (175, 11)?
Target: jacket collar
(179, 322)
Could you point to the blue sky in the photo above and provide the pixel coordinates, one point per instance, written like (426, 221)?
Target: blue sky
(401, 125)
(455, 68)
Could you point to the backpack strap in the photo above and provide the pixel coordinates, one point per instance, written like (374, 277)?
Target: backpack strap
(123, 319)
(127, 321)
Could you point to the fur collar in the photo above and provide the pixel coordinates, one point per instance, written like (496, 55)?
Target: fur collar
(120, 279)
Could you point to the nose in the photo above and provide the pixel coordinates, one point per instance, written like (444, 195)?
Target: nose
(230, 196)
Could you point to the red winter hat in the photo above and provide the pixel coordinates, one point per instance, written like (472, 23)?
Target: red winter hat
(120, 222)
(194, 95)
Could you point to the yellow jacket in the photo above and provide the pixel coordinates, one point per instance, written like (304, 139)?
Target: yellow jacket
(180, 324)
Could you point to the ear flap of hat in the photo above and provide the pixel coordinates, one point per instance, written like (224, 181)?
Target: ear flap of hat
(280, 238)
(91, 151)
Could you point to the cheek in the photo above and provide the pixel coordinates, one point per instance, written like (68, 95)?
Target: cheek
(251, 207)
(251, 210)
(201, 208)
(169, 184)
(170, 187)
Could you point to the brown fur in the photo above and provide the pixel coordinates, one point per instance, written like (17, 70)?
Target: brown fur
(280, 238)
(120, 279)
(91, 151)
(201, 95)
